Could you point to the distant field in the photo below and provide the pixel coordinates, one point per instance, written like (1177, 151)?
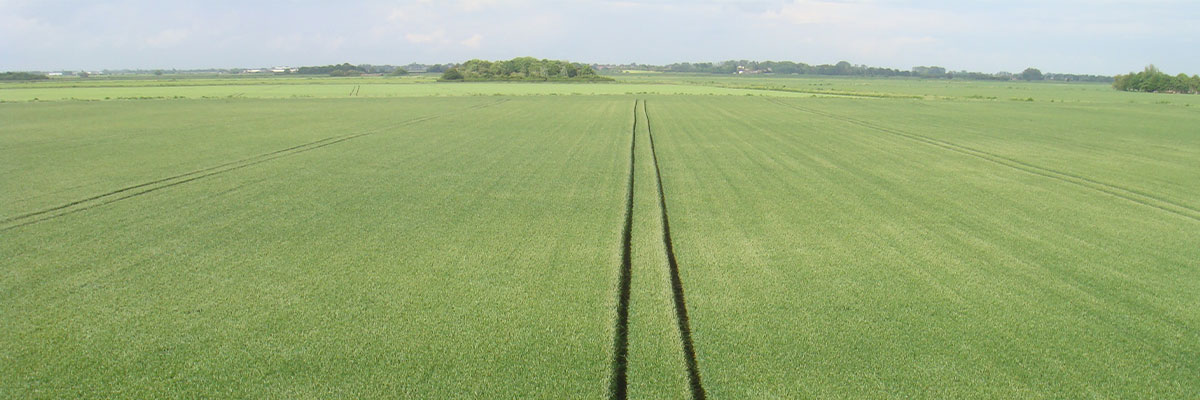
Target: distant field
(665, 236)
(925, 89)
(324, 87)
(628, 84)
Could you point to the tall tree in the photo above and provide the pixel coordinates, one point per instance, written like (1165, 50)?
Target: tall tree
(1032, 74)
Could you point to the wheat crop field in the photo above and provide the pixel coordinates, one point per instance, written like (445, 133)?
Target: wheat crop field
(662, 236)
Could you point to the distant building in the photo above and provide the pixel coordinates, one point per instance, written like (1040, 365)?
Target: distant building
(741, 69)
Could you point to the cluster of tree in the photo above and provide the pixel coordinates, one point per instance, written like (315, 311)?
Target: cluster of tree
(1032, 74)
(929, 72)
(1078, 78)
(435, 68)
(21, 76)
(345, 69)
(1155, 81)
(980, 76)
(521, 69)
(383, 69)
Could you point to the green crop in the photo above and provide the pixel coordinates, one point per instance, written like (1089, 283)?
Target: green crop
(849, 248)
(666, 236)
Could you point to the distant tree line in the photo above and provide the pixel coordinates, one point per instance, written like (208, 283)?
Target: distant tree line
(21, 76)
(1078, 78)
(522, 69)
(437, 68)
(779, 67)
(845, 68)
(1155, 81)
(345, 69)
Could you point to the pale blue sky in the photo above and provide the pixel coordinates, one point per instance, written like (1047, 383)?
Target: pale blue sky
(1094, 36)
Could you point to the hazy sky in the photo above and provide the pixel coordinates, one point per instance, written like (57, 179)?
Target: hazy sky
(1092, 36)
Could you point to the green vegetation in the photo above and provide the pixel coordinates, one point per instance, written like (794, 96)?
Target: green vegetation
(880, 248)
(1032, 74)
(390, 252)
(423, 85)
(845, 68)
(1155, 81)
(452, 74)
(825, 237)
(333, 70)
(522, 69)
(21, 76)
(781, 67)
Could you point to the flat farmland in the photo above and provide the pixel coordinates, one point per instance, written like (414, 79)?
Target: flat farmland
(840, 248)
(306, 88)
(469, 253)
(661, 237)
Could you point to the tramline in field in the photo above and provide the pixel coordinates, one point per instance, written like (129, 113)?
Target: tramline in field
(422, 240)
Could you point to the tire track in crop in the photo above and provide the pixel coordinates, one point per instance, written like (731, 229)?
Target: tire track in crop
(174, 177)
(1127, 194)
(619, 382)
(175, 180)
(681, 315)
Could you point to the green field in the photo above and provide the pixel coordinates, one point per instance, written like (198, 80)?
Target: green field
(291, 88)
(395, 237)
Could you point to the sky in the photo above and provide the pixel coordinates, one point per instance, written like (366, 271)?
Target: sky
(1068, 36)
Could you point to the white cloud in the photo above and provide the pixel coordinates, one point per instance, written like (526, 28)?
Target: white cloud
(866, 16)
(475, 5)
(472, 41)
(440, 38)
(168, 38)
(397, 14)
(303, 42)
(480, 5)
(15, 26)
(432, 37)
